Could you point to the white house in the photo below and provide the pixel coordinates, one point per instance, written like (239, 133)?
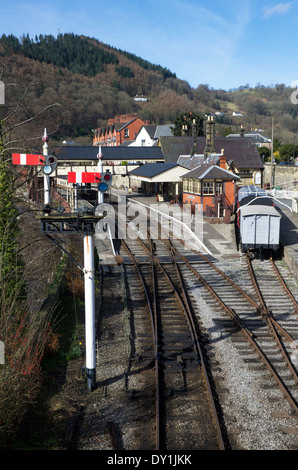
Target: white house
(145, 137)
(148, 136)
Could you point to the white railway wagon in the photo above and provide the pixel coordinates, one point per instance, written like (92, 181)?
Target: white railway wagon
(259, 227)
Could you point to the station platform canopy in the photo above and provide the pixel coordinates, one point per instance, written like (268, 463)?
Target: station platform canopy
(85, 154)
(159, 173)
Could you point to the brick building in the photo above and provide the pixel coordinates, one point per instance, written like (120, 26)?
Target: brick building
(211, 186)
(119, 130)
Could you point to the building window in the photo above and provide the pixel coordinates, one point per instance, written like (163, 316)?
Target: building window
(126, 132)
(208, 187)
(185, 186)
(218, 189)
(191, 186)
(197, 187)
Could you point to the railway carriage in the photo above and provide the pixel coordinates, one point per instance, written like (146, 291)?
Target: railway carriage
(258, 220)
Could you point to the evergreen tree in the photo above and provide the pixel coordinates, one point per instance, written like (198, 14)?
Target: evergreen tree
(70, 51)
(184, 122)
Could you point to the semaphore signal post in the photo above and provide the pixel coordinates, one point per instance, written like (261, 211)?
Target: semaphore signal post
(76, 222)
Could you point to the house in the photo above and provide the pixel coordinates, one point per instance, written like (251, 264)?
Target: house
(145, 137)
(150, 135)
(141, 98)
(119, 130)
(212, 187)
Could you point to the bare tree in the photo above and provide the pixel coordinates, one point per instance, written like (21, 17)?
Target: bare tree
(22, 250)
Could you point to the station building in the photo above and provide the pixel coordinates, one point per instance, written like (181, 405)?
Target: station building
(162, 180)
(212, 187)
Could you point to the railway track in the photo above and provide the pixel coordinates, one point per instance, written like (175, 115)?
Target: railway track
(186, 412)
(212, 362)
(258, 325)
(248, 315)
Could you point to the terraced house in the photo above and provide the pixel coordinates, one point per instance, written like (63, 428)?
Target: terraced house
(119, 130)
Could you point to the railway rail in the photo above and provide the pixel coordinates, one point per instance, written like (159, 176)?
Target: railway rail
(259, 315)
(179, 361)
(190, 314)
(265, 319)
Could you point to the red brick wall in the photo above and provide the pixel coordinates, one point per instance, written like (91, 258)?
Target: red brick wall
(133, 128)
(207, 200)
(230, 192)
(196, 199)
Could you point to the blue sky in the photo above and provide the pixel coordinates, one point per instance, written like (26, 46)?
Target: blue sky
(224, 44)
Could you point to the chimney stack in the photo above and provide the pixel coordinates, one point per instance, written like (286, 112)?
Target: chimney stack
(222, 160)
(194, 137)
(210, 137)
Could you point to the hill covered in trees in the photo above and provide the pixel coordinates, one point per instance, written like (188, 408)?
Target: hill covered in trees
(93, 81)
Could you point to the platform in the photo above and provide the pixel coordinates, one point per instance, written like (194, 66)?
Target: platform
(219, 239)
(106, 256)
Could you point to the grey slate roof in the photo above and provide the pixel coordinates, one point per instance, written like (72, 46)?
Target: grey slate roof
(243, 152)
(155, 132)
(192, 162)
(152, 169)
(210, 172)
(150, 129)
(163, 131)
(89, 153)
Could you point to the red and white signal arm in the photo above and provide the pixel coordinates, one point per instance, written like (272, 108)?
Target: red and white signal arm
(83, 177)
(27, 159)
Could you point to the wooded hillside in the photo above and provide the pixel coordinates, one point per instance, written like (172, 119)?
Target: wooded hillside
(93, 82)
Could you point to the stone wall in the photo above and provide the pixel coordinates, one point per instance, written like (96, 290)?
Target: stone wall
(283, 175)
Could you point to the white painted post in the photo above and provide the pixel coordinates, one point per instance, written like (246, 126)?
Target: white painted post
(46, 178)
(100, 169)
(75, 198)
(89, 311)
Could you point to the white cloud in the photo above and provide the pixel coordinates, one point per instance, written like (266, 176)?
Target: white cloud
(279, 9)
